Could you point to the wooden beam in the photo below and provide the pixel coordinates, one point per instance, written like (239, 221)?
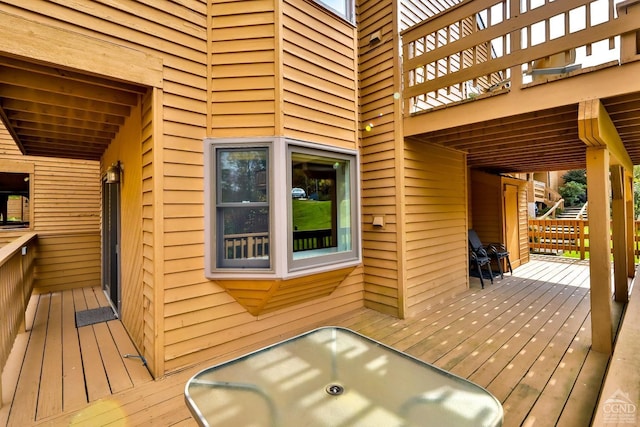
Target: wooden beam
(596, 128)
(30, 39)
(619, 233)
(599, 247)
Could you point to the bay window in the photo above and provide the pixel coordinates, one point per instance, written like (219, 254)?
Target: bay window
(276, 207)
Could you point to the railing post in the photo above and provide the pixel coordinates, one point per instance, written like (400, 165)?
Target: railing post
(516, 70)
(582, 242)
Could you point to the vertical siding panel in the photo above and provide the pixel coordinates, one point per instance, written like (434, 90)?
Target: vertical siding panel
(436, 258)
(381, 139)
(486, 200)
(243, 69)
(127, 148)
(319, 76)
(66, 215)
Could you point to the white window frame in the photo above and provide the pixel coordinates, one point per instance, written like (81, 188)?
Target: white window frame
(282, 265)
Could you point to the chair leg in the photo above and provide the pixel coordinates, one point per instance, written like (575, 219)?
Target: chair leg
(509, 265)
(499, 262)
(490, 272)
(480, 274)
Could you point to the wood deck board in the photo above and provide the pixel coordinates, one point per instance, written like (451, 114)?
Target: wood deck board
(477, 348)
(548, 407)
(504, 352)
(73, 385)
(511, 363)
(529, 388)
(526, 338)
(112, 360)
(581, 402)
(135, 367)
(95, 375)
(50, 394)
(26, 395)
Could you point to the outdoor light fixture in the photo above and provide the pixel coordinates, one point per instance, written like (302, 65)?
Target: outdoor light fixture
(113, 173)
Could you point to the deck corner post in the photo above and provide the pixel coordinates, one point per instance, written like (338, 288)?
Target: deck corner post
(619, 233)
(599, 248)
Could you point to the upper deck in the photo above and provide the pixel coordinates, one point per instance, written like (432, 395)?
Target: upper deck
(503, 81)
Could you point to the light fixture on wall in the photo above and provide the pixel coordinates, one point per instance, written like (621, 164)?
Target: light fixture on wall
(113, 173)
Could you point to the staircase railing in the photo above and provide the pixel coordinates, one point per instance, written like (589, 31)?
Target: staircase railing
(583, 211)
(559, 205)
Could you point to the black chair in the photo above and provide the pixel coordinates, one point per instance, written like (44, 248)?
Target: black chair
(478, 258)
(497, 251)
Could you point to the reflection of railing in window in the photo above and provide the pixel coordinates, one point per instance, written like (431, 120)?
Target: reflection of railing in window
(243, 246)
(256, 245)
(312, 239)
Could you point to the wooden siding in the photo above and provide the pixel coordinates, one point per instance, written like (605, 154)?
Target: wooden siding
(66, 215)
(174, 121)
(523, 225)
(488, 212)
(151, 229)
(244, 57)
(381, 157)
(436, 229)
(385, 172)
(250, 97)
(126, 148)
(486, 201)
(319, 80)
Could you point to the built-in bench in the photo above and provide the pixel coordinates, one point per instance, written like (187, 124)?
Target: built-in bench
(619, 402)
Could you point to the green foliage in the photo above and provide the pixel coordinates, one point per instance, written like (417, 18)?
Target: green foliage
(573, 193)
(311, 214)
(576, 175)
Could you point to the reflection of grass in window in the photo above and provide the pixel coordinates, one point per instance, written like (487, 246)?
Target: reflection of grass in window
(311, 214)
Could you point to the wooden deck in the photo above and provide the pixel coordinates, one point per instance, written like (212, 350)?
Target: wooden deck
(525, 338)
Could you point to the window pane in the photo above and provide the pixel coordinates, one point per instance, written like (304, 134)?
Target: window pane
(321, 221)
(242, 208)
(14, 200)
(245, 233)
(242, 176)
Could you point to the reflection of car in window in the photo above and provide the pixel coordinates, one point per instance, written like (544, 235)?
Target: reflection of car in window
(298, 193)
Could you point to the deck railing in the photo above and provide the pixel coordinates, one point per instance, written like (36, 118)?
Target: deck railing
(567, 235)
(481, 48)
(17, 260)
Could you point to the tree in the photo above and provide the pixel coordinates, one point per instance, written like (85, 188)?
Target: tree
(573, 193)
(576, 175)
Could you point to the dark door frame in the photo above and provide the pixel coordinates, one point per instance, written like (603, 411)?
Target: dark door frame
(111, 243)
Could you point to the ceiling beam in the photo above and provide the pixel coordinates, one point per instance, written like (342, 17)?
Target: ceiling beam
(596, 129)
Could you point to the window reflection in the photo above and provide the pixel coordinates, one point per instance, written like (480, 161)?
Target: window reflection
(321, 221)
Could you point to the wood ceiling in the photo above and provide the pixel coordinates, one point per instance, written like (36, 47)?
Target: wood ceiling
(59, 113)
(544, 140)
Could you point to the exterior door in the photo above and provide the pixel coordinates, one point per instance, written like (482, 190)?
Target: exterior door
(512, 220)
(111, 243)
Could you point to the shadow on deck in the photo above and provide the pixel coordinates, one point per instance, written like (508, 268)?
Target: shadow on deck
(526, 339)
